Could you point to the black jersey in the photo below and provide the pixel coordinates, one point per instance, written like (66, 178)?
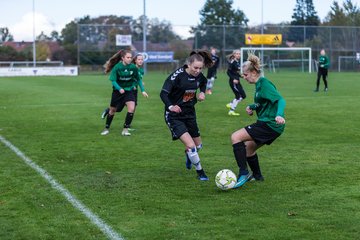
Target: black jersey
(180, 89)
(234, 70)
(213, 69)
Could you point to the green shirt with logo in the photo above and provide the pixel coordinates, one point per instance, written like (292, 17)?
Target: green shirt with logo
(324, 61)
(268, 104)
(124, 76)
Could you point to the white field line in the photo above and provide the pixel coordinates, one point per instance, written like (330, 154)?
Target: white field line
(106, 229)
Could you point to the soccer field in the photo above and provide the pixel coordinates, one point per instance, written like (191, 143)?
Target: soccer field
(139, 187)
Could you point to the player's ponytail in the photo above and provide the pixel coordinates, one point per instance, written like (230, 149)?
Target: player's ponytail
(253, 62)
(115, 59)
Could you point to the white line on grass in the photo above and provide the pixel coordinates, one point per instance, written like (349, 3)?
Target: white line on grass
(106, 229)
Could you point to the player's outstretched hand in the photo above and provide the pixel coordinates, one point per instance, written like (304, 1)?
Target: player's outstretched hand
(175, 108)
(249, 111)
(145, 94)
(201, 96)
(280, 120)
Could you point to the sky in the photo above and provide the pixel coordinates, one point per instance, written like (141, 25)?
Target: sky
(17, 15)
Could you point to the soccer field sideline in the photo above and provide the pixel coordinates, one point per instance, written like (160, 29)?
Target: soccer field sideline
(94, 219)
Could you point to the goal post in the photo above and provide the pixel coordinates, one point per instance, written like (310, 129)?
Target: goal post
(262, 49)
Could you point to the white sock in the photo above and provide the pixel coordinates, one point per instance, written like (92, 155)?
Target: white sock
(234, 103)
(194, 158)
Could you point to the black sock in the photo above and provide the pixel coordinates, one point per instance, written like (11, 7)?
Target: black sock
(253, 162)
(240, 156)
(200, 172)
(128, 119)
(109, 119)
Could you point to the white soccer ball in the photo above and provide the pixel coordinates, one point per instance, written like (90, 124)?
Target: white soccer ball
(225, 179)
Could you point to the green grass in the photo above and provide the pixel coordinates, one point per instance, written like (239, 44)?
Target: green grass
(139, 185)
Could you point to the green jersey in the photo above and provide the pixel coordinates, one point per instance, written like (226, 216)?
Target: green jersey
(140, 82)
(124, 76)
(268, 104)
(324, 61)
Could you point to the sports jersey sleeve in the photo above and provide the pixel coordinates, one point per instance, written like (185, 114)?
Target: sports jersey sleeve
(166, 89)
(202, 83)
(270, 93)
(113, 77)
(327, 62)
(141, 85)
(281, 107)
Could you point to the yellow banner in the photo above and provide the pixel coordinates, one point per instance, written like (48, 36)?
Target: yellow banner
(266, 39)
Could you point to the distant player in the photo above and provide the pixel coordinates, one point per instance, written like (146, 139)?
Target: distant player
(234, 81)
(179, 96)
(269, 106)
(212, 71)
(322, 70)
(124, 77)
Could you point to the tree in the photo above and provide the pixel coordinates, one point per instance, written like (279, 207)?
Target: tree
(156, 31)
(304, 15)
(5, 35)
(215, 16)
(348, 15)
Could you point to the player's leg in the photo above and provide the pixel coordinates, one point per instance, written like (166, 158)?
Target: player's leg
(105, 112)
(109, 119)
(209, 85)
(116, 98)
(318, 81)
(129, 117)
(233, 104)
(324, 77)
(253, 160)
(135, 92)
(238, 140)
(192, 154)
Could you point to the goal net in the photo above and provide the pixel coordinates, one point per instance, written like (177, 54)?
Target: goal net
(277, 59)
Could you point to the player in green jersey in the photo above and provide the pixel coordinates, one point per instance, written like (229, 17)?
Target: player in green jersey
(322, 70)
(138, 60)
(269, 106)
(124, 76)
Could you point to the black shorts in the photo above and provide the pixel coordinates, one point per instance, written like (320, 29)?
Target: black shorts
(261, 133)
(119, 100)
(180, 125)
(122, 104)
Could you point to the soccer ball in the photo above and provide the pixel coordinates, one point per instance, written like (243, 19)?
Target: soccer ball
(225, 179)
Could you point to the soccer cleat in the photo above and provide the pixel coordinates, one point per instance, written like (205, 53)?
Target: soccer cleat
(326, 89)
(203, 177)
(105, 132)
(316, 90)
(131, 129)
(228, 105)
(209, 91)
(105, 113)
(242, 180)
(125, 132)
(232, 113)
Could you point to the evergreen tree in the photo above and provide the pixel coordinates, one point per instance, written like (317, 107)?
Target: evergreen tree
(304, 15)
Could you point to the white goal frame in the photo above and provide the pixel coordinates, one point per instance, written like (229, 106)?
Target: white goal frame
(276, 49)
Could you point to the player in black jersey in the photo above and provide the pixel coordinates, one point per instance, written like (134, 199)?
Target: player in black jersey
(179, 96)
(212, 71)
(234, 81)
